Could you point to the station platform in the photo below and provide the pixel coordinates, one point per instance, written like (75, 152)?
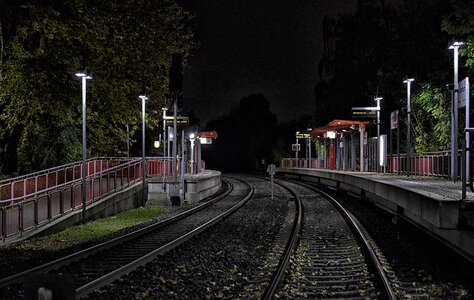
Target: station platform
(195, 188)
(433, 204)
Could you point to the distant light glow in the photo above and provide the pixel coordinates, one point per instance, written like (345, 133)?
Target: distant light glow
(156, 144)
(192, 136)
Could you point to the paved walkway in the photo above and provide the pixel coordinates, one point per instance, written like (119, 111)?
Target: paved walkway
(433, 187)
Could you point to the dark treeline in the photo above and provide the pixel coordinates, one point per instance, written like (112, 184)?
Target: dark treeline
(370, 52)
(250, 137)
(125, 45)
(367, 53)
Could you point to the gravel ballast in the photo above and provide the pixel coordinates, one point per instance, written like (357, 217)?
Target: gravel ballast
(219, 263)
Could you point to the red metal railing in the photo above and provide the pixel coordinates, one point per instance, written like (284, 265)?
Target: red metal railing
(29, 201)
(435, 164)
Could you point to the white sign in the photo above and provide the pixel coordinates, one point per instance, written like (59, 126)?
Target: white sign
(463, 92)
(205, 141)
(331, 134)
(295, 147)
(394, 119)
(271, 169)
(383, 150)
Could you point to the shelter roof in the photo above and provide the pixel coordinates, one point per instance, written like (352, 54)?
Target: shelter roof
(338, 125)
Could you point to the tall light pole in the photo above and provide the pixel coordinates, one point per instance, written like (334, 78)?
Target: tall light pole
(454, 113)
(408, 83)
(297, 150)
(164, 147)
(128, 141)
(192, 138)
(309, 129)
(84, 76)
(143, 98)
(378, 99)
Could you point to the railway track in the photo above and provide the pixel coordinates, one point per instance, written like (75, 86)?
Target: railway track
(331, 255)
(99, 265)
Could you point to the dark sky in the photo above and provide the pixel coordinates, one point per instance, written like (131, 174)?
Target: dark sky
(256, 46)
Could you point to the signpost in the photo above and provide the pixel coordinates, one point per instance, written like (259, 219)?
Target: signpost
(394, 119)
(180, 121)
(271, 169)
(464, 101)
(374, 110)
(364, 114)
(303, 136)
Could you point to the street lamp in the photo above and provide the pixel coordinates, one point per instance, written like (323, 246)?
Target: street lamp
(408, 83)
(378, 99)
(84, 76)
(297, 150)
(308, 145)
(143, 98)
(192, 138)
(454, 113)
(164, 109)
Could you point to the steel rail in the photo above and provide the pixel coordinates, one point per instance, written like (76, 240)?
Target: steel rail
(279, 273)
(365, 241)
(128, 268)
(111, 243)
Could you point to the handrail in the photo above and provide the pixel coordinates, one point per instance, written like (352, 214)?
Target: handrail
(71, 183)
(76, 163)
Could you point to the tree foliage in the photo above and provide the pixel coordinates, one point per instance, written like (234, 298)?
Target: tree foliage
(124, 44)
(460, 25)
(370, 52)
(431, 110)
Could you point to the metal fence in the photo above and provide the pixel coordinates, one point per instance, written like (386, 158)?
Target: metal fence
(30, 201)
(435, 164)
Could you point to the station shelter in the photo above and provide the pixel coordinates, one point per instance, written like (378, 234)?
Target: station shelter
(343, 145)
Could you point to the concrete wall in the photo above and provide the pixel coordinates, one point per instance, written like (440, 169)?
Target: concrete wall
(197, 187)
(126, 199)
(424, 208)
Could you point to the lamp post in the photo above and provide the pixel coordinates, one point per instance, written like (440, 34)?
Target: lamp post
(192, 138)
(297, 150)
(128, 141)
(164, 109)
(378, 99)
(309, 129)
(454, 113)
(408, 83)
(143, 98)
(84, 76)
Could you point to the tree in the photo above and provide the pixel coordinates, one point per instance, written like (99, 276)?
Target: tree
(460, 24)
(369, 53)
(431, 111)
(125, 45)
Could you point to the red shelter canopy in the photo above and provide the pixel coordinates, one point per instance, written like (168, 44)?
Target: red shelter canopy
(338, 125)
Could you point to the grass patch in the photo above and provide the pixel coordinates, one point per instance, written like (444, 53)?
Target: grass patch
(94, 229)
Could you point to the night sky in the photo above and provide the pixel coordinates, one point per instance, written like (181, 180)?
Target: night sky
(256, 46)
